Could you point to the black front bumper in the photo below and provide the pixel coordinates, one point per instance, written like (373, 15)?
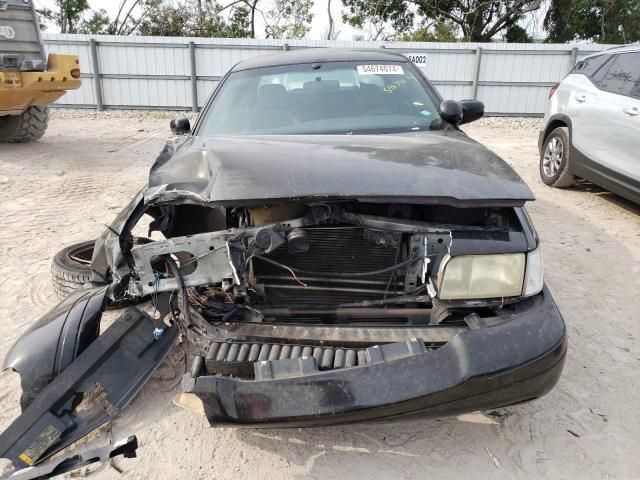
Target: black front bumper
(517, 360)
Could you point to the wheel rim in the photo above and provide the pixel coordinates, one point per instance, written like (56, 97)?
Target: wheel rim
(552, 157)
(82, 254)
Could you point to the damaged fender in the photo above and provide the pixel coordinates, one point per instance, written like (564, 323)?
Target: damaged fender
(108, 260)
(55, 340)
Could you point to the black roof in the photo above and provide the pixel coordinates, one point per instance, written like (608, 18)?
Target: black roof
(319, 55)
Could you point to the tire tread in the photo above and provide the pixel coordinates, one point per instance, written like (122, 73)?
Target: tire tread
(68, 275)
(32, 124)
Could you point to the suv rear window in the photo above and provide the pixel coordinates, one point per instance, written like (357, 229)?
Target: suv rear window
(621, 76)
(590, 65)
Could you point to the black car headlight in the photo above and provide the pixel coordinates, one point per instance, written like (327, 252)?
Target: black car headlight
(467, 277)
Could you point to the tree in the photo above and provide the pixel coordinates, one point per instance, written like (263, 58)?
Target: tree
(214, 25)
(167, 21)
(97, 23)
(476, 20)
(238, 23)
(383, 19)
(433, 32)
(252, 6)
(125, 22)
(75, 16)
(67, 14)
(289, 19)
(195, 19)
(517, 34)
(330, 33)
(181, 18)
(604, 21)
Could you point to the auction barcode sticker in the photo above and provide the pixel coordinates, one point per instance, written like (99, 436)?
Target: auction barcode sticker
(380, 70)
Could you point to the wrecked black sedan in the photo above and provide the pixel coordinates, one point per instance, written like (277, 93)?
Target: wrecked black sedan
(332, 246)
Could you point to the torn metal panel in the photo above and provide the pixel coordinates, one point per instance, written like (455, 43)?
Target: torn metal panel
(120, 361)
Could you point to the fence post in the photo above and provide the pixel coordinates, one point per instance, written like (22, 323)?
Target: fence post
(476, 73)
(194, 77)
(574, 57)
(97, 83)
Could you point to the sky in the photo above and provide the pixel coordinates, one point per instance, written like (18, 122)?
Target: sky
(318, 26)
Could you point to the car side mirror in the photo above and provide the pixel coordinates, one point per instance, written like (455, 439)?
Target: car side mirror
(180, 126)
(472, 110)
(451, 111)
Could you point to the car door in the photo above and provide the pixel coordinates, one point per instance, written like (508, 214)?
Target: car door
(579, 99)
(608, 132)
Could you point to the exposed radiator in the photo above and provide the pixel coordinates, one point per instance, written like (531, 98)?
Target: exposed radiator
(332, 250)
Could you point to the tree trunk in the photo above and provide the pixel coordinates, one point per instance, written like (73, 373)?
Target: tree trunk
(253, 19)
(330, 29)
(200, 16)
(63, 18)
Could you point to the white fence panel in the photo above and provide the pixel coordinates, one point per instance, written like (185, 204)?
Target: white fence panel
(177, 73)
(85, 96)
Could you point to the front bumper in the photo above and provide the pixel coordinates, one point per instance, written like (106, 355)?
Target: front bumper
(517, 360)
(20, 90)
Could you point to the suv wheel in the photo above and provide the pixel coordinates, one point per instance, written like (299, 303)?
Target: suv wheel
(554, 159)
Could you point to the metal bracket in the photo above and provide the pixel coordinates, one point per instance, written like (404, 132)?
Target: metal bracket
(204, 258)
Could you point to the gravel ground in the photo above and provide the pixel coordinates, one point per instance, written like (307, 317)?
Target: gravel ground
(66, 187)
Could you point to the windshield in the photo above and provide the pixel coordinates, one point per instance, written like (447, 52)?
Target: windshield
(322, 98)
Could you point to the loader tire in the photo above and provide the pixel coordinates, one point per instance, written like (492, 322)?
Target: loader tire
(29, 126)
(71, 268)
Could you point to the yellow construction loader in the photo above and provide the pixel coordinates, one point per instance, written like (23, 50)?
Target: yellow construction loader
(29, 81)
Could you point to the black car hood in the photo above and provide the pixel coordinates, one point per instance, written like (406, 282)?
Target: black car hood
(421, 167)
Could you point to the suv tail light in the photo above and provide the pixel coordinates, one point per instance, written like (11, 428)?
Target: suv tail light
(553, 89)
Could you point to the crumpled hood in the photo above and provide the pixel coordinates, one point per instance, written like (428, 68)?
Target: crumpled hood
(425, 167)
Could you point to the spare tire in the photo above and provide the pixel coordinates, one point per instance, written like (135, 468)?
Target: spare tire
(71, 268)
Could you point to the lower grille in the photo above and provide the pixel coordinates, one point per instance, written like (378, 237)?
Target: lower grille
(229, 358)
(245, 359)
(331, 250)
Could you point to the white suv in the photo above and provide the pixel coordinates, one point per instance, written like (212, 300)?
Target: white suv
(591, 128)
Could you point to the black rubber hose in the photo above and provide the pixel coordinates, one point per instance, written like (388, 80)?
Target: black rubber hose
(182, 290)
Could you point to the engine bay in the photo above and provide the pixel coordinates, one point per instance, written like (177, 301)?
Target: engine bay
(340, 262)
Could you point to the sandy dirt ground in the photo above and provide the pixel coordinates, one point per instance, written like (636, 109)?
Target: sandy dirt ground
(66, 187)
